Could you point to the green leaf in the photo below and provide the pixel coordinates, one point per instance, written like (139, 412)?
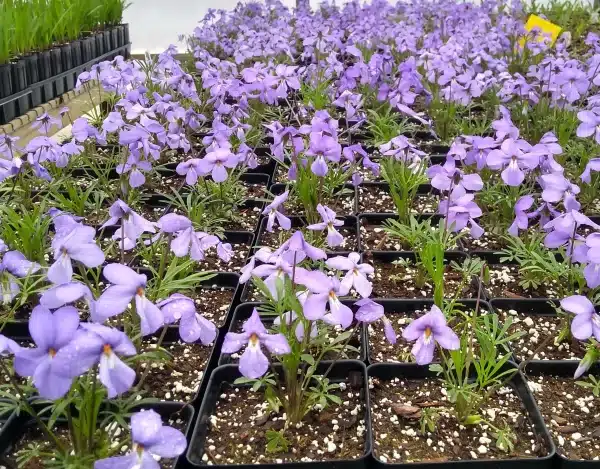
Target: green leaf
(307, 358)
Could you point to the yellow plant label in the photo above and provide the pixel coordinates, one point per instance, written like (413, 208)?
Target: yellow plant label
(544, 26)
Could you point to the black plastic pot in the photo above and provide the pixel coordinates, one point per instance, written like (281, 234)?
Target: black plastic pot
(106, 39)
(99, 38)
(562, 369)
(33, 76)
(392, 307)
(268, 168)
(384, 186)
(76, 49)
(114, 38)
(45, 73)
(387, 371)
(66, 53)
(125, 33)
(378, 219)
(57, 69)
(229, 373)
(243, 311)
(374, 257)
(20, 83)
(8, 110)
(120, 35)
(279, 188)
(17, 426)
(88, 49)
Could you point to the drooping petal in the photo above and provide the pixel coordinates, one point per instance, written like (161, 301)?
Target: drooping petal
(195, 327)
(577, 304)
(253, 362)
(168, 443)
(582, 326)
(234, 342)
(145, 426)
(151, 317)
(276, 343)
(114, 300)
(423, 351)
(128, 461)
(115, 375)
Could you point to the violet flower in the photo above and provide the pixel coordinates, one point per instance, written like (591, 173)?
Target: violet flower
(191, 169)
(356, 273)
(521, 221)
(127, 285)
(133, 165)
(93, 345)
(45, 122)
(326, 290)
(329, 223)
(427, 330)
(298, 247)
(590, 124)
(448, 176)
(462, 213)
(369, 312)
(50, 332)
(80, 246)
(272, 212)
(216, 162)
(514, 161)
(253, 362)
(133, 225)
(592, 165)
(150, 438)
(13, 264)
(192, 326)
(586, 322)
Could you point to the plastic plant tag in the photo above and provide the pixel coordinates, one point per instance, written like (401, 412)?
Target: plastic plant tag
(544, 26)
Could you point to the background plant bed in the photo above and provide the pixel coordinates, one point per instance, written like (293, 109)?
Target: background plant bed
(398, 280)
(275, 238)
(571, 412)
(376, 198)
(23, 431)
(394, 385)
(242, 313)
(401, 313)
(232, 422)
(538, 318)
(241, 243)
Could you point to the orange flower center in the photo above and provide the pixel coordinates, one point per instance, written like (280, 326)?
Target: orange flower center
(428, 332)
(52, 352)
(107, 349)
(140, 291)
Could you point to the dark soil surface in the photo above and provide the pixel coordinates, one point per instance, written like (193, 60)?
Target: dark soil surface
(238, 426)
(397, 406)
(571, 414)
(504, 283)
(539, 341)
(378, 200)
(487, 242)
(402, 281)
(213, 263)
(179, 377)
(213, 303)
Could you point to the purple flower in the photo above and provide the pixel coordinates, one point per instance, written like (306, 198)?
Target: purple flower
(253, 362)
(150, 438)
(133, 165)
(126, 286)
(427, 330)
(504, 127)
(99, 345)
(350, 102)
(462, 212)
(591, 248)
(13, 264)
(326, 290)
(192, 326)
(50, 333)
(586, 322)
(192, 169)
(448, 176)
(80, 246)
(521, 221)
(563, 228)
(356, 275)
(45, 122)
(272, 210)
(193, 243)
(133, 225)
(369, 312)
(61, 295)
(216, 163)
(323, 147)
(82, 130)
(514, 160)
(334, 238)
(593, 165)
(299, 247)
(274, 273)
(590, 124)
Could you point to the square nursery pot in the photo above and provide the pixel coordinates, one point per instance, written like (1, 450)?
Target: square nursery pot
(511, 269)
(381, 287)
(564, 425)
(20, 82)
(57, 69)
(342, 371)
(33, 77)
(349, 230)
(373, 237)
(395, 308)
(351, 208)
(16, 427)
(268, 165)
(242, 313)
(388, 371)
(540, 314)
(375, 197)
(45, 75)
(8, 110)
